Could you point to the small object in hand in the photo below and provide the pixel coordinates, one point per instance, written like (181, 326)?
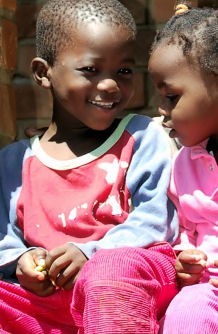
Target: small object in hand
(40, 268)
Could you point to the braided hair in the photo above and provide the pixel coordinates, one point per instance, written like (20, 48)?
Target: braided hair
(195, 31)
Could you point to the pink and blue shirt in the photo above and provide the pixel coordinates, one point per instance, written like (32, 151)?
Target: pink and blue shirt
(114, 196)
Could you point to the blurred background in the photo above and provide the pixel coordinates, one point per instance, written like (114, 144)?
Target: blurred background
(24, 104)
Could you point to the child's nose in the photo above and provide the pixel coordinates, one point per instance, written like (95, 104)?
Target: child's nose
(109, 85)
(163, 111)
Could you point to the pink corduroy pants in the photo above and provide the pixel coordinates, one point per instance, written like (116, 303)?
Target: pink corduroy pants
(193, 311)
(123, 290)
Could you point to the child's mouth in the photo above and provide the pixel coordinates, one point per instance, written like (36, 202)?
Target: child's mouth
(173, 133)
(104, 105)
(169, 126)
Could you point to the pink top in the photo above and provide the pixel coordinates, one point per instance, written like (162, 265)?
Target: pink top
(194, 190)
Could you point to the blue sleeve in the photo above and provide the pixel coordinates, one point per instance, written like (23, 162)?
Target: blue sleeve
(11, 237)
(153, 217)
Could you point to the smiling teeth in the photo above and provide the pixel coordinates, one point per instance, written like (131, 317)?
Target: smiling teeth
(107, 105)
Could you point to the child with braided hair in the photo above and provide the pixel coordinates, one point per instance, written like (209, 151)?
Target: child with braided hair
(184, 68)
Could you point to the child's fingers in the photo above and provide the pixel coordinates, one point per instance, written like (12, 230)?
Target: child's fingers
(214, 282)
(39, 259)
(216, 263)
(192, 258)
(188, 279)
(41, 272)
(190, 266)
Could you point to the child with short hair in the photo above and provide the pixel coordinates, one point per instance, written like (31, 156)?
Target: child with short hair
(184, 68)
(84, 209)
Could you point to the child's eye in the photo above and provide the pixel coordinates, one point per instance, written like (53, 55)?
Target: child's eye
(172, 97)
(125, 71)
(88, 69)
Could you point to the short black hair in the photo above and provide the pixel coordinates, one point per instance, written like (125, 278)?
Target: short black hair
(58, 17)
(196, 32)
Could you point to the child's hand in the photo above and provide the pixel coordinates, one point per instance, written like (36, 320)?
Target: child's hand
(214, 281)
(64, 264)
(31, 272)
(190, 265)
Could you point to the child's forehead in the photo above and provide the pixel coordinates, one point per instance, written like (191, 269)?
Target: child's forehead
(95, 27)
(101, 47)
(101, 33)
(171, 56)
(167, 61)
(95, 41)
(167, 55)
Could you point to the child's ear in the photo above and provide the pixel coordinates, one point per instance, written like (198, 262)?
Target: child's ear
(40, 70)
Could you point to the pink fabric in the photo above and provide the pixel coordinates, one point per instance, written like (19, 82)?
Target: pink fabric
(189, 313)
(25, 313)
(124, 290)
(194, 190)
(127, 290)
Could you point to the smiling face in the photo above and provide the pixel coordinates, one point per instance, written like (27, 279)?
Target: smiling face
(188, 99)
(92, 78)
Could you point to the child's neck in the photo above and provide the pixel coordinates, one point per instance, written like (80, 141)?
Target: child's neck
(64, 146)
